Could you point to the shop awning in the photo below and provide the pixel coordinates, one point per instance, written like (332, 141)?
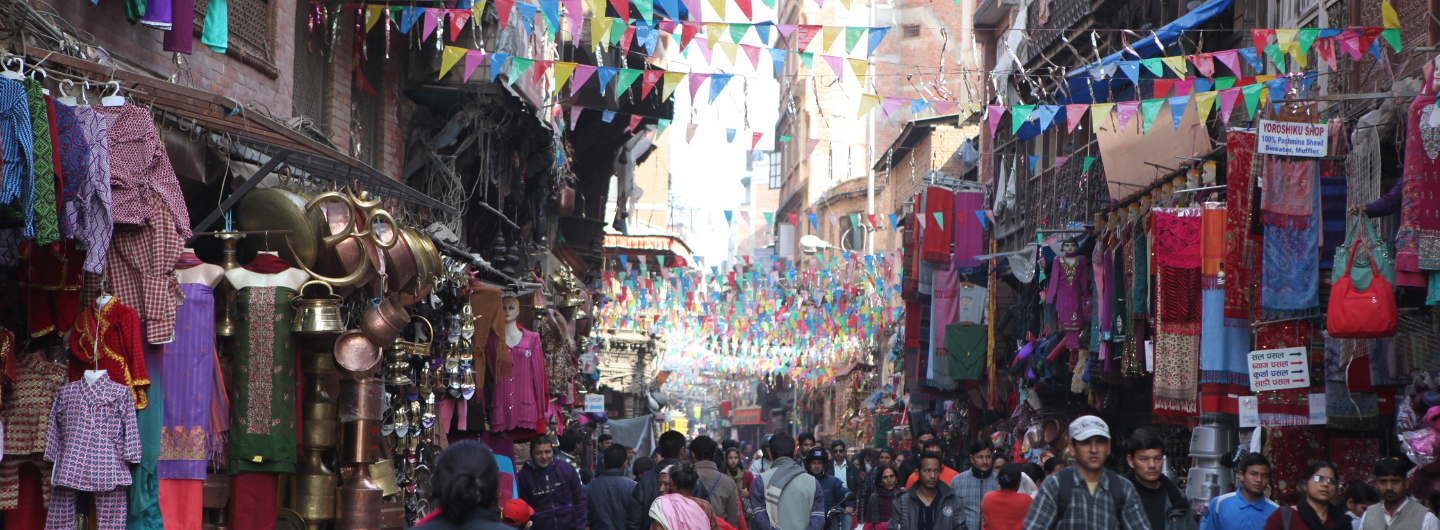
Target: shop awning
(1085, 88)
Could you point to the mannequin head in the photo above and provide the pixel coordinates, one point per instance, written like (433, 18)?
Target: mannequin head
(1069, 248)
(512, 309)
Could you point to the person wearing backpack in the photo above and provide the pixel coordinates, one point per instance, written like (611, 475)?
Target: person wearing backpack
(1165, 505)
(1315, 511)
(1248, 508)
(724, 498)
(1087, 496)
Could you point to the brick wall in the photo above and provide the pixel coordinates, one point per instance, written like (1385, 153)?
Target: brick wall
(653, 176)
(902, 64)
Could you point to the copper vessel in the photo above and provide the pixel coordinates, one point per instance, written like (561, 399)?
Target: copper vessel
(317, 316)
(382, 324)
(358, 501)
(400, 264)
(361, 400)
(357, 441)
(357, 357)
(315, 483)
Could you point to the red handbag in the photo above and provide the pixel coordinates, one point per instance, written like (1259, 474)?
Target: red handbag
(1361, 314)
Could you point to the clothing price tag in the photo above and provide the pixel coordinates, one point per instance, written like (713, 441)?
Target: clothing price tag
(1279, 369)
(1249, 411)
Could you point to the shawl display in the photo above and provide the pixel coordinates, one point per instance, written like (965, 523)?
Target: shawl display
(1354, 411)
(1289, 184)
(1240, 244)
(1139, 270)
(1333, 193)
(936, 235)
(969, 231)
(1176, 385)
(1177, 254)
(1382, 358)
(1355, 458)
(1223, 349)
(1212, 242)
(1177, 237)
(1417, 244)
(1291, 451)
(1291, 269)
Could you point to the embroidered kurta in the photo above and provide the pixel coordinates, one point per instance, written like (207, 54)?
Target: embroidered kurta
(93, 435)
(27, 408)
(89, 215)
(189, 381)
(120, 351)
(518, 397)
(141, 266)
(139, 163)
(262, 430)
(1069, 292)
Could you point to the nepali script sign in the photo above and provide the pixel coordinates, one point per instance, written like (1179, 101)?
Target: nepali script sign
(1292, 139)
(1279, 369)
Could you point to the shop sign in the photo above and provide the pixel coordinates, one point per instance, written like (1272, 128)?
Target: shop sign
(746, 416)
(1292, 139)
(1250, 411)
(1279, 369)
(594, 403)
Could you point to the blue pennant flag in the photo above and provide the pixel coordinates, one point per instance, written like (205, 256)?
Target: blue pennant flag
(607, 116)
(1252, 57)
(1046, 113)
(777, 55)
(605, 73)
(407, 18)
(527, 16)
(551, 9)
(1203, 85)
(717, 84)
(730, 135)
(763, 30)
(876, 35)
(497, 62)
(1131, 69)
(917, 105)
(1033, 161)
(1177, 109)
(671, 8)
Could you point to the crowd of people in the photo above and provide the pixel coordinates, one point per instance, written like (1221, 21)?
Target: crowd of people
(795, 483)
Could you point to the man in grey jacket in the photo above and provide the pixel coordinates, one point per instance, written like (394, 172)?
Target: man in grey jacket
(724, 497)
(930, 503)
(1165, 505)
(786, 497)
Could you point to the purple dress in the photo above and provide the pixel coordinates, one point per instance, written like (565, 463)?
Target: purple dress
(189, 384)
(1069, 294)
(518, 398)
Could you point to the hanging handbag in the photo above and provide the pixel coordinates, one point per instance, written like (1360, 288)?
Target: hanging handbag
(1362, 303)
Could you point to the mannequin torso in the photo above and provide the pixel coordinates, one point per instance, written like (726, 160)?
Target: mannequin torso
(204, 273)
(241, 278)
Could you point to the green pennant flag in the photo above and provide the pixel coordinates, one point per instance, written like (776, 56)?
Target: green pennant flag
(785, 137)
(1307, 38)
(625, 78)
(1222, 83)
(940, 219)
(395, 15)
(768, 3)
(1149, 109)
(617, 29)
(1018, 114)
(661, 125)
(1277, 57)
(770, 216)
(518, 66)
(852, 36)
(1088, 161)
(738, 31)
(807, 58)
(1155, 66)
(1252, 97)
(647, 8)
(1392, 36)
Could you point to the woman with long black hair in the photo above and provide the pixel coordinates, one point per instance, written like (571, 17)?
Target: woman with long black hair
(465, 488)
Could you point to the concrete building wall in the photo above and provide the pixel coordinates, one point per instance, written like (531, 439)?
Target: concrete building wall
(653, 176)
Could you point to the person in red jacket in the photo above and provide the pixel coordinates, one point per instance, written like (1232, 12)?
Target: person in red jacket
(1004, 509)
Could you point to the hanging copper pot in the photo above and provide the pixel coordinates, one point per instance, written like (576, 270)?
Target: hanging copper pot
(355, 355)
(383, 322)
(565, 201)
(400, 265)
(317, 316)
(427, 265)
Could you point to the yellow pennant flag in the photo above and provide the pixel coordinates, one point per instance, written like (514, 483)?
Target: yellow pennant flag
(563, 71)
(372, 15)
(1285, 36)
(719, 6)
(729, 48)
(477, 10)
(449, 57)
(845, 3)
(672, 80)
(1204, 103)
(859, 66)
(713, 31)
(599, 28)
(1262, 79)
(827, 36)
(1100, 114)
(1387, 14)
(1296, 53)
(1176, 64)
(597, 8)
(867, 102)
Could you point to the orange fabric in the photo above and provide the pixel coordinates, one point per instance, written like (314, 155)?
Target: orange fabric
(182, 503)
(1212, 238)
(946, 475)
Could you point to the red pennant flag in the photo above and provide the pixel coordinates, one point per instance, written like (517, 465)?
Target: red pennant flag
(794, 219)
(807, 34)
(744, 8)
(538, 70)
(622, 7)
(753, 52)
(458, 18)
(1205, 63)
(755, 140)
(502, 9)
(634, 121)
(1262, 38)
(1367, 36)
(687, 31)
(872, 220)
(625, 40)
(363, 83)
(1162, 87)
(648, 82)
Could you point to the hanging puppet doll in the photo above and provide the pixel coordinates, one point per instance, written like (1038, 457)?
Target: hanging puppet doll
(1069, 295)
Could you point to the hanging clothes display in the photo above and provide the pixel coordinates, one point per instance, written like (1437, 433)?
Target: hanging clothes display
(1069, 296)
(517, 399)
(1241, 245)
(1417, 245)
(1291, 270)
(92, 436)
(108, 337)
(262, 434)
(186, 441)
(937, 225)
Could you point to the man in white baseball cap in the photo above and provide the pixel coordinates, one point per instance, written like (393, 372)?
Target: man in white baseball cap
(1087, 496)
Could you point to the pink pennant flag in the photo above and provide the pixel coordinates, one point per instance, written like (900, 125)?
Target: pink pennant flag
(1184, 86)
(694, 7)
(921, 219)
(458, 18)
(1127, 109)
(473, 58)
(1231, 60)
(1349, 40)
(1060, 160)
(634, 121)
(810, 146)
(1262, 38)
(836, 64)
(695, 81)
(745, 216)
(431, 21)
(1227, 103)
(785, 31)
(807, 34)
(575, 111)
(1325, 48)
(706, 51)
(755, 140)
(890, 105)
(753, 52)
(582, 74)
(1073, 113)
(1205, 63)
(690, 131)
(943, 107)
(993, 113)
(573, 13)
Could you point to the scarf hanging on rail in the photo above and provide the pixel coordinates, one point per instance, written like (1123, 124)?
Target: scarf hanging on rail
(937, 232)
(1291, 451)
(1417, 244)
(1289, 184)
(1290, 406)
(1212, 243)
(1333, 194)
(1353, 411)
(1240, 243)
(1291, 270)
(1177, 256)
(1223, 349)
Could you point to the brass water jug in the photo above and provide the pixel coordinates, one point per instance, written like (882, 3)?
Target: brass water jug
(317, 317)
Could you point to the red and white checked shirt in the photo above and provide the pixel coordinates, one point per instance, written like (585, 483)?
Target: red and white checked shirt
(141, 267)
(139, 163)
(93, 434)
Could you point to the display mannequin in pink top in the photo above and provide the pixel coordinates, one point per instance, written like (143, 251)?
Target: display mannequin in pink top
(519, 399)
